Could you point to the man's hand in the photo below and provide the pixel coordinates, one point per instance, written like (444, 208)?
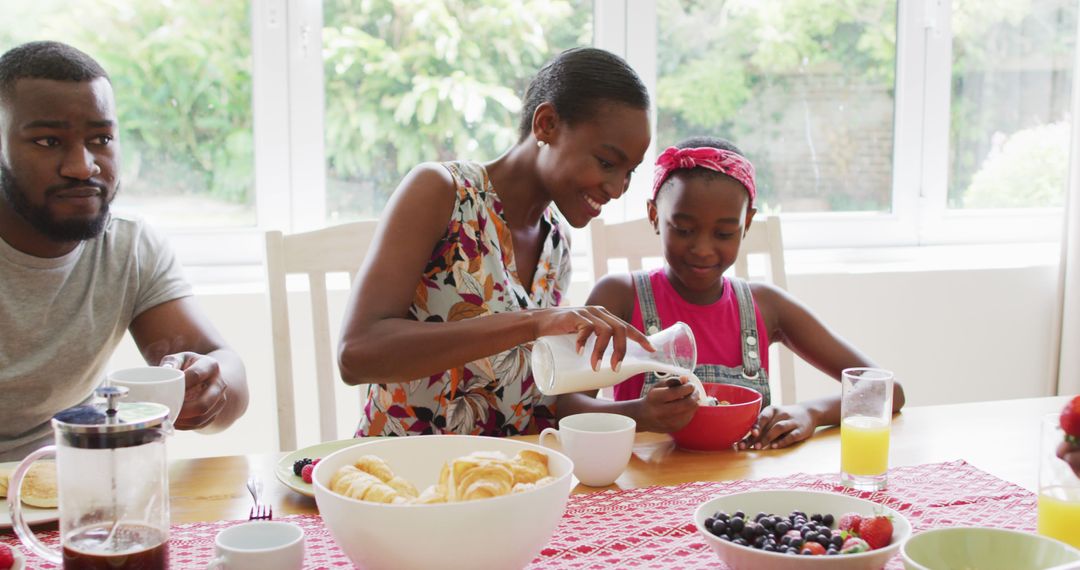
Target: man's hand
(205, 392)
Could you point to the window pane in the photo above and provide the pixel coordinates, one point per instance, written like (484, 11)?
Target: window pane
(181, 72)
(415, 80)
(803, 87)
(1011, 92)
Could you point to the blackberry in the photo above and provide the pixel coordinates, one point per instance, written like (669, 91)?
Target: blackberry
(298, 466)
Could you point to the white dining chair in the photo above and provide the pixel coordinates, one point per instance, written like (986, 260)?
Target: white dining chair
(337, 249)
(636, 240)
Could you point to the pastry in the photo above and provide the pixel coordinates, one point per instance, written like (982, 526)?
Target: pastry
(356, 484)
(375, 466)
(5, 474)
(479, 475)
(39, 485)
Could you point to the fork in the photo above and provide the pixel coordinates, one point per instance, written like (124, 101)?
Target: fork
(260, 510)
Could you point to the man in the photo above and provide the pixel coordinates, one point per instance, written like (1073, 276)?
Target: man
(73, 277)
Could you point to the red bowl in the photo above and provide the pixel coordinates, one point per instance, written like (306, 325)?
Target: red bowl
(717, 428)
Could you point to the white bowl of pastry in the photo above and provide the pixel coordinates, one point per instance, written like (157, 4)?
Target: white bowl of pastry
(442, 501)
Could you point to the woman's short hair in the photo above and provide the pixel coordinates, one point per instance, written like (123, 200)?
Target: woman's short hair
(576, 81)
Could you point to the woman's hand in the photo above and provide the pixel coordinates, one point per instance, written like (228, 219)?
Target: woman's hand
(590, 320)
(667, 407)
(778, 427)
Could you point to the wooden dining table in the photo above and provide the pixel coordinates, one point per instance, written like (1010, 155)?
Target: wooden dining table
(999, 437)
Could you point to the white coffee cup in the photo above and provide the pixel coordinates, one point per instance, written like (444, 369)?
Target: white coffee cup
(600, 445)
(160, 384)
(266, 545)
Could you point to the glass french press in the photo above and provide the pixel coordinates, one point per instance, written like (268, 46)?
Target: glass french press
(112, 486)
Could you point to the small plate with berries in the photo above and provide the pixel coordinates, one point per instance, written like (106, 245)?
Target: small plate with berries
(290, 469)
(792, 530)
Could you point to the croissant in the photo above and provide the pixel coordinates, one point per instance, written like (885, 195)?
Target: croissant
(356, 484)
(375, 466)
(479, 475)
(529, 466)
(431, 495)
(522, 487)
(484, 481)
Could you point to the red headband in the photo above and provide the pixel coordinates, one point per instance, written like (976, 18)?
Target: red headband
(719, 160)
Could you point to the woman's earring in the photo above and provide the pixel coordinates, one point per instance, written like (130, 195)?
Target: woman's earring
(541, 144)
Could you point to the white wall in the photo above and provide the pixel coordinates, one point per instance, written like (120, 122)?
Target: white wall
(951, 335)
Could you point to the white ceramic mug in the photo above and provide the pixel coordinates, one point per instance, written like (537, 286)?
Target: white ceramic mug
(600, 445)
(160, 384)
(266, 545)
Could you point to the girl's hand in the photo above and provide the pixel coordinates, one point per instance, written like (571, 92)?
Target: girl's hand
(1070, 454)
(585, 321)
(778, 427)
(667, 407)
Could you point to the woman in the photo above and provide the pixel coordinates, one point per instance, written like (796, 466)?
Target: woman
(470, 261)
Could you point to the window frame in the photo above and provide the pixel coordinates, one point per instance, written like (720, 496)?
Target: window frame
(290, 173)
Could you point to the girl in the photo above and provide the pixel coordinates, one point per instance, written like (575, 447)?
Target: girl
(470, 261)
(702, 206)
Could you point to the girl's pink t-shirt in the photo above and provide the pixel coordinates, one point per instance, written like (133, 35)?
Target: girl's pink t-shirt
(716, 328)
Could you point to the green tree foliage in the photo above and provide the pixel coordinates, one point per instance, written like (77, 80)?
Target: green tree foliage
(181, 72)
(1026, 170)
(415, 80)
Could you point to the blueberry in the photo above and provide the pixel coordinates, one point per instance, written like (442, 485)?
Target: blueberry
(832, 551)
(815, 517)
(825, 541)
(792, 550)
(828, 520)
(760, 516)
(739, 514)
(740, 542)
(722, 516)
(719, 527)
(736, 524)
(769, 548)
(782, 527)
(724, 537)
(836, 540)
(760, 542)
(767, 523)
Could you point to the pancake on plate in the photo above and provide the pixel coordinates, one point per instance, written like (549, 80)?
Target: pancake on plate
(38, 487)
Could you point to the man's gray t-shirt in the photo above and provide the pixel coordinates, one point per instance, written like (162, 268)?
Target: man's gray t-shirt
(61, 318)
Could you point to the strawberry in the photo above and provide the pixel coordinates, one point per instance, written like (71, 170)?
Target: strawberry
(854, 545)
(7, 557)
(876, 531)
(812, 548)
(1070, 420)
(849, 522)
(305, 473)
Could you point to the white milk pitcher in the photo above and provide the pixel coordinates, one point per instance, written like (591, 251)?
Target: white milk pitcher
(558, 368)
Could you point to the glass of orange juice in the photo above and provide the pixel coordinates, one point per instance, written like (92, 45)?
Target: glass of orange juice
(865, 422)
(1059, 487)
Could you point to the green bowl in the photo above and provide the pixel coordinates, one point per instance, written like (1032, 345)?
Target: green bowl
(983, 548)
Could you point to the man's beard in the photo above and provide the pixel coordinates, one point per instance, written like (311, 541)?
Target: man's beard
(41, 219)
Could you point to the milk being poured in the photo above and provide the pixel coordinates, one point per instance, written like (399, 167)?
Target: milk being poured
(559, 369)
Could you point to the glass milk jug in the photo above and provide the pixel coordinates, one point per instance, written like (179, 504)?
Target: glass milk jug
(112, 486)
(558, 368)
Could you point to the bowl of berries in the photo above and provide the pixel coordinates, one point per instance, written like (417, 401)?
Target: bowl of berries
(795, 530)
